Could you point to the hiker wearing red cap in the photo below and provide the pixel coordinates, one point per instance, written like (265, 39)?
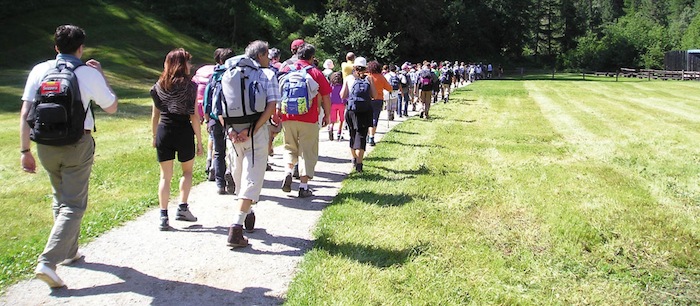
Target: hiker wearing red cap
(294, 47)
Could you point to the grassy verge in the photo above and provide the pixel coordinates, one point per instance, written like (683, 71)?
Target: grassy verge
(522, 192)
(124, 181)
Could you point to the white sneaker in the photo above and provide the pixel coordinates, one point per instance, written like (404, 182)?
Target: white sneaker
(48, 276)
(69, 261)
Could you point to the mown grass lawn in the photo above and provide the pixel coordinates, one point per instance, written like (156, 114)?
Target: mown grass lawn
(522, 192)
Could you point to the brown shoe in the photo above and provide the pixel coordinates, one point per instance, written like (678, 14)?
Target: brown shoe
(235, 237)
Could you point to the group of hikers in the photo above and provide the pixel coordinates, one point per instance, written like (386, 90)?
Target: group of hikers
(244, 100)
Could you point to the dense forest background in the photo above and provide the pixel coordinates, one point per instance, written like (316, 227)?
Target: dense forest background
(566, 34)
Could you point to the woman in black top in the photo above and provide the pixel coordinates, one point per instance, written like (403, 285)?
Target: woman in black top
(175, 126)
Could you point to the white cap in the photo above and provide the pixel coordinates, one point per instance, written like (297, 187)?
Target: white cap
(360, 61)
(328, 64)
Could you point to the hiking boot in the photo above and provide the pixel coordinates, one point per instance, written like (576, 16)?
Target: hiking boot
(221, 190)
(421, 114)
(305, 193)
(235, 237)
(185, 215)
(340, 137)
(371, 142)
(330, 135)
(296, 172)
(358, 167)
(230, 184)
(250, 222)
(164, 224)
(287, 184)
(49, 276)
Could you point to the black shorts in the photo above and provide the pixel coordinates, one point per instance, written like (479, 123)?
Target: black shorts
(175, 139)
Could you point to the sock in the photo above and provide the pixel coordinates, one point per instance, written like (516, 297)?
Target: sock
(250, 211)
(303, 185)
(241, 218)
(182, 206)
(289, 171)
(164, 213)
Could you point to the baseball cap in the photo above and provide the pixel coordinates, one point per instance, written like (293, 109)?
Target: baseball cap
(360, 61)
(296, 43)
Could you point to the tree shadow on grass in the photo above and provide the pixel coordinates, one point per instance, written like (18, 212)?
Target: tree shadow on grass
(404, 132)
(422, 170)
(370, 254)
(379, 199)
(165, 292)
(411, 144)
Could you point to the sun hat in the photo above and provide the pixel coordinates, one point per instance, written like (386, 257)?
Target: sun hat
(360, 62)
(328, 64)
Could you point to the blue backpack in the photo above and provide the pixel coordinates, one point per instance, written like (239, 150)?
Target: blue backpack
(360, 99)
(212, 90)
(297, 88)
(394, 82)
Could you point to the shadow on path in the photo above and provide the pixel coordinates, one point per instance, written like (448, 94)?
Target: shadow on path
(165, 292)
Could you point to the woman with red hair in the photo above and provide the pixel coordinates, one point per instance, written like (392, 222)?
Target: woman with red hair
(175, 124)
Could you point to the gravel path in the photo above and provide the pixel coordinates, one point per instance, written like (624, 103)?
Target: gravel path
(138, 264)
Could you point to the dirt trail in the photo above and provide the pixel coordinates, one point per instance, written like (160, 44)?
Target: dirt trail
(137, 264)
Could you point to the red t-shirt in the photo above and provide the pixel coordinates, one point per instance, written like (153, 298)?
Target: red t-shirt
(324, 89)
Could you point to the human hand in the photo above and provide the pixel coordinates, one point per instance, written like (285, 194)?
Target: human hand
(28, 163)
(94, 64)
(242, 136)
(200, 149)
(326, 121)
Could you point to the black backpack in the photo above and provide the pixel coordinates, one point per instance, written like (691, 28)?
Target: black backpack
(57, 116)
(360, 99)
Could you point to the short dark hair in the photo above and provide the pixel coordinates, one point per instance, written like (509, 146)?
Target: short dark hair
(68, 38)
(222, 54)
(306, 51)
(374, 67)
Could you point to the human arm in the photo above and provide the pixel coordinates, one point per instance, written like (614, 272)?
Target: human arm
(27, 159)
(155, 118)
(196, 127)
(326, 105)
(112, 108)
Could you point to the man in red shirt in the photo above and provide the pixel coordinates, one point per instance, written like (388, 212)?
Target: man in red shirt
(301, 131)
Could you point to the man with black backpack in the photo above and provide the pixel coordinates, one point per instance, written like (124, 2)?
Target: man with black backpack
(57, 115)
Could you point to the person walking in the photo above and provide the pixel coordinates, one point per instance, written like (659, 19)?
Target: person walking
(380, 84)
(301, 130)
(337, 106)
(427, 81)
(358, 89)
(175, 126)
(217, 141)
(251, 147)
(68, 166)
(347, 66)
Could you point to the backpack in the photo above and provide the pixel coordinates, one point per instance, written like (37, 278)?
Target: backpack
(426, 80)
(360, 99)
(57, 116)
(242, 98)
(297, 88)
(213, 93)
(394, 81)
(446, 76)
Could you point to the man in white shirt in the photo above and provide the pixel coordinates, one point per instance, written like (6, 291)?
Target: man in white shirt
(68, 166)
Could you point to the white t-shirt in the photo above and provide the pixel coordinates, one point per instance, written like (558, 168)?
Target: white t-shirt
(93, 87)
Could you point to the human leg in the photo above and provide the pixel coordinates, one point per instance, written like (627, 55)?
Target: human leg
(69, 169)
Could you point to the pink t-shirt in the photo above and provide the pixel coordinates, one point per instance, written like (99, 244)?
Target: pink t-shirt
(201, 78)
